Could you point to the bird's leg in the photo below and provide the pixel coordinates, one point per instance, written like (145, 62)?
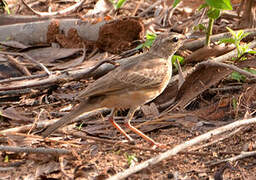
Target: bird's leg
(135, 130)
(113, 122)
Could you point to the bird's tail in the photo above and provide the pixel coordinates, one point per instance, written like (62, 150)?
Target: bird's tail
(85, 106)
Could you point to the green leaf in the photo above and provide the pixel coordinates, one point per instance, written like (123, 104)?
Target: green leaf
(220, 4)
(239, 34)
(213, 13)
(148, 43)
(150, 38)
(231, 32)
(202, 6)
(242, 49)
(234, 103)
(119, 4)
(237, 76)
(227, 40)
(251, 70)
(243, 35)
(251, 51)
(140, 46)
(4, 5)
(131, 159)
(179, 58)
(80, 126)
(200, 27)
(6, 159)
(175, 3)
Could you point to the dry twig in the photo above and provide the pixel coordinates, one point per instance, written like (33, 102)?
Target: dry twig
(181, 147)
(235, 158)
(54, 151)
(65, 11)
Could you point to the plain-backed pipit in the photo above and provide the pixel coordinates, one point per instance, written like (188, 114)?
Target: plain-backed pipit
(130, 85)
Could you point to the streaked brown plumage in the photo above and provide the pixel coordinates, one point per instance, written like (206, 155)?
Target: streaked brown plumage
(132, 84)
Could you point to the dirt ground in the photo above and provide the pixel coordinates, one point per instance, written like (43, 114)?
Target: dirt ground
(94, 148)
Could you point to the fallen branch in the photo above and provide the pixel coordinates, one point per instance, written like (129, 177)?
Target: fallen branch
(181, 147)
(55, 151)
(235, 158)
(43, 124)
(217, 140)
(229, 66)
(18, 65)
(29, 58)
(57, 77)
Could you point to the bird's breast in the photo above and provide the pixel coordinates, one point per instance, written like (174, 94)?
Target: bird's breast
(130, 99)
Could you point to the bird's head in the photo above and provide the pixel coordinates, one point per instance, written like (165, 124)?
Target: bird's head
(166, 45)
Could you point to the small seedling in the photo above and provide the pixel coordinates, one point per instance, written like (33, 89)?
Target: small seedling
(118, 4)
(179, 58)
(241, 50)
(1, 117)
(214, 8)
(150, 38)
(6, 158)
(4, 6)
(200, 27)
(236, 40)
(234, 103)
(80, 126)
(175, 3)
(131, 159)
(237, 76)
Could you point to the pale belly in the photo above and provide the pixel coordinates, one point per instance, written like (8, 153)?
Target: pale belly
(133, 98)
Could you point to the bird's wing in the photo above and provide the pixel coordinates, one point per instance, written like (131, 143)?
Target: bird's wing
(130, 76)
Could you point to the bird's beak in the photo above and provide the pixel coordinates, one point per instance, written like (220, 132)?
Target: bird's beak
(189, 36)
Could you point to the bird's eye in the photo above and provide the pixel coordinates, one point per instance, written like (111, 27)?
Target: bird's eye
(175, 39)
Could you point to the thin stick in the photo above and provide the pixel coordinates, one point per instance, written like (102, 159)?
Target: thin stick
(18, 65)
(54, 151)
(64, 11)
(229, 66)
(235, 158)
(180, 147)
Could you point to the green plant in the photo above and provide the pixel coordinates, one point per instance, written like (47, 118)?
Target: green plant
(214, 10)
(6, 158)
(175, 3)
(236, 40)
(200, 27)
(234, 103)
(80, 126)
(150, 38)
(237, 76)
(4, 6)
(118, 4)
(1, 117)
(178, 58)
(131, 159)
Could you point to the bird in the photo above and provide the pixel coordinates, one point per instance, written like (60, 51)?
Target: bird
(130, 85)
